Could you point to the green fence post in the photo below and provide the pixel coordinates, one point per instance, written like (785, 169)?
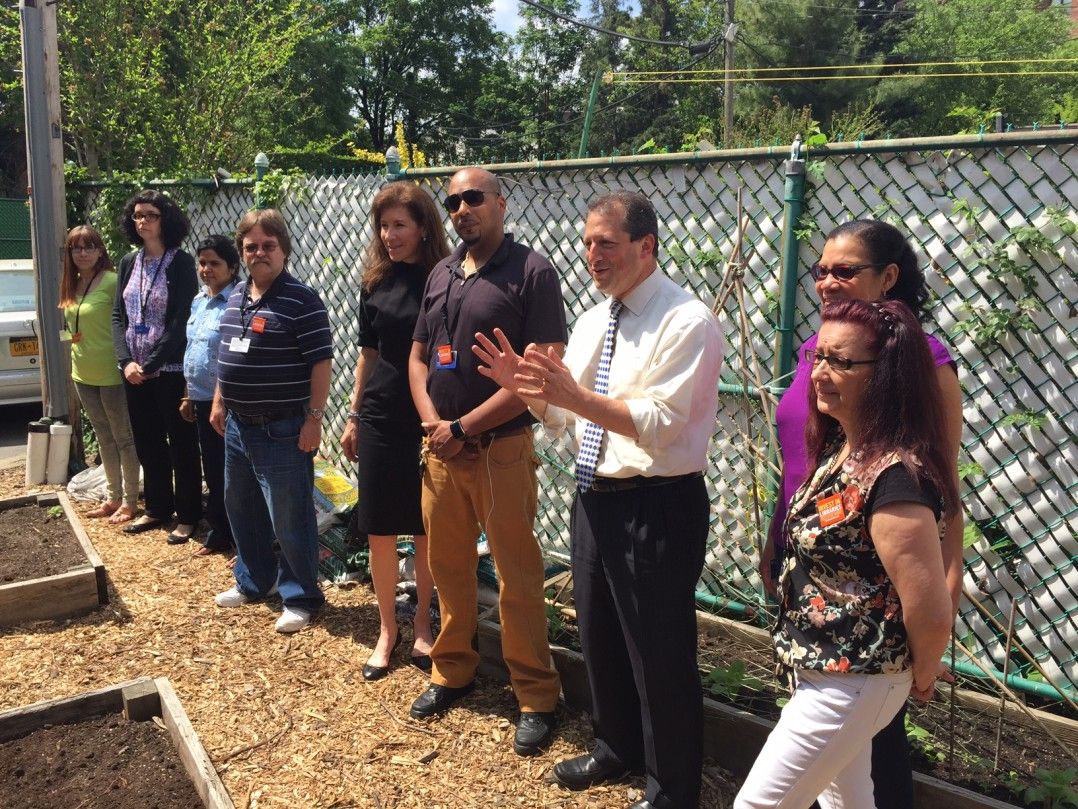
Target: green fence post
(393, 164)
(261, 167)
(592, 98)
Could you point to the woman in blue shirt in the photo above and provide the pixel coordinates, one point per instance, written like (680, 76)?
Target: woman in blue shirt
(218, 269)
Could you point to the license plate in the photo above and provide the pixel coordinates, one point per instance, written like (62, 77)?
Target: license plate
(24, 346)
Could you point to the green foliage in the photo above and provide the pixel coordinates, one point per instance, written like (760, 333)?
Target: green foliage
(557, 629)
(969, 470)
(1055, 790)
(1024, 418)
(277, 185)
(776, 122)
(318, 159)
(56, 512)
(728, 681)
(971, 534)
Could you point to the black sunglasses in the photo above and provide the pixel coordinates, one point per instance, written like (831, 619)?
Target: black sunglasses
(834, 361)
(843, 272)
(473, 196)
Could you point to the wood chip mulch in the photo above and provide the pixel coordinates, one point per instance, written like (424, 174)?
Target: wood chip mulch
(289, 721)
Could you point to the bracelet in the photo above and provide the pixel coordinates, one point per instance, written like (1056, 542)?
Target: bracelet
(315, 413)
(457, 430)
(353, 415)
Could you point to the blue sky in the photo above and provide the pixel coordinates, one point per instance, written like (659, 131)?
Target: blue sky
(506, 16)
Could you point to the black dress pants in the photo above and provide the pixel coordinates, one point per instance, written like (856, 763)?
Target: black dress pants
(637, 556)
(167, 445)
(212, 447)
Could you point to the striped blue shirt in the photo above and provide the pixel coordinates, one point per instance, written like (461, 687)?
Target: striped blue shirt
(289, 331)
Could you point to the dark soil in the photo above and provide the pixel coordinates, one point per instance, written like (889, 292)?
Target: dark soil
(35, 542)
(103, 762)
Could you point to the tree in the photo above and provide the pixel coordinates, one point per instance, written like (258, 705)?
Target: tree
(179, 85)
(977, 30)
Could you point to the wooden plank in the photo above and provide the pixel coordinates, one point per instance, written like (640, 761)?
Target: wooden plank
(141, 701)
(92, 556)
(64, 595)
(195, 759)
(18, 722)
(15, 502)
(932, 793)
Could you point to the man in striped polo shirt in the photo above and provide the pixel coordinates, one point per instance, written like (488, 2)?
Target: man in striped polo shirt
(272, 384)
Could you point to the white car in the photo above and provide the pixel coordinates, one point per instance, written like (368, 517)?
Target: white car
(20, 365)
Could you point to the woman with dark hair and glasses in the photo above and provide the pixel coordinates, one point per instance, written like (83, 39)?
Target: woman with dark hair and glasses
(865, 609)
(149, 332)
(87, 290)
(219, 270)
(869, 260)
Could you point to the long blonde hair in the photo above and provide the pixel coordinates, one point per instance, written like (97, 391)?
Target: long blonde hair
(421, 207)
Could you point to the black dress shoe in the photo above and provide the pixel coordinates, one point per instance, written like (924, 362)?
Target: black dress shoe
(534, 732)
(142, 527)
(372, 673)
(176, 538)
(438, 699)
(422, 662)
(584, 771)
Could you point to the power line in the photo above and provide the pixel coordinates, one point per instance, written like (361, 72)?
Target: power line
(773, 79)
(871, 66)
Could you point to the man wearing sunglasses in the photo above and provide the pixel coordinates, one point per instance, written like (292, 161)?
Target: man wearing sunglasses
(480, 462)
(639, 387)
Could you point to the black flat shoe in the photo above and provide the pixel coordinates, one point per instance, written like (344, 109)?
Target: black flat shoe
(584, 771)
(438, 699)
(176, 538)
(372, 673)
(422, 662)
(142, 527)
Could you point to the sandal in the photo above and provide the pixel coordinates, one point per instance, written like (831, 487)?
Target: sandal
(122, 514)
(106, 509)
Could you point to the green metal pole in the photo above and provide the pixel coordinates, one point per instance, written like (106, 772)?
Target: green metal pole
(261, 167)
(1015, 681)
(592, 98)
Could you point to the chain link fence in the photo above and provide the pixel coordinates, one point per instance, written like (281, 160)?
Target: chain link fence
(994, 225)
(14, 229)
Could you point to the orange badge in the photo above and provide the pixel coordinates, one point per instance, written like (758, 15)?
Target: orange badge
(830, 510)
(258, 324)
(852, 499)
(445, 354)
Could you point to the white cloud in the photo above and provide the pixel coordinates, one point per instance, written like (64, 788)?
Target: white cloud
(506, 15)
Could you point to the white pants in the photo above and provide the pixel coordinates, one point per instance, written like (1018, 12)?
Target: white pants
(821, 748)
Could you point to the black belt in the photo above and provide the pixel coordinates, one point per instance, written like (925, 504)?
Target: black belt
(262, 419)
(483, 439)
(638, 482)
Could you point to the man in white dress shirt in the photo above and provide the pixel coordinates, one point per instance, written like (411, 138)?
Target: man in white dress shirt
(643, 367)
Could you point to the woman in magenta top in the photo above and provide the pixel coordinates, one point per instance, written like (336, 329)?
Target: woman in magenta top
(868, 260)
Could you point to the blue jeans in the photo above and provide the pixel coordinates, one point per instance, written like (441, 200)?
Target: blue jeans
(269, 484)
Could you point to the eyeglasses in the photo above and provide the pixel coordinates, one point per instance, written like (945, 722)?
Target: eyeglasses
(147, 217)
(84, 248)
(834, 362)
(266, 247)
(473, 196)
(843, 272)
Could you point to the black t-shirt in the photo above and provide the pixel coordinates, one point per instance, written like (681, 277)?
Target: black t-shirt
(387, 316)
(896, 485)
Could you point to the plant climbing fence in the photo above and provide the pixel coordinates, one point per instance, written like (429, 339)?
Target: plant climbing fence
(992, 218)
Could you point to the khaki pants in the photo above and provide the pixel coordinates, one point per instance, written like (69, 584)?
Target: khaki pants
(495, 492)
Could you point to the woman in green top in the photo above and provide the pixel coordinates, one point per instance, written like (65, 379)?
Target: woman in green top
(87, 294)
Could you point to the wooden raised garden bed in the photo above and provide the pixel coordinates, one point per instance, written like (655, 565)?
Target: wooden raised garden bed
(137, 701)
(732, 737)
(76, 590)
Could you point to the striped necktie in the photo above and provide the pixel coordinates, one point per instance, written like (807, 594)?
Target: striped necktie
(588, 456)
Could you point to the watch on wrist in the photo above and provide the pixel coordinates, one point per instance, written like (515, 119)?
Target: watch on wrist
(353, 415)
(315, 413)
(457, 430)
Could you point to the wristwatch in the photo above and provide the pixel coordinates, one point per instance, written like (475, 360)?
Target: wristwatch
(353, 414)
(315, 413)
(457, 429)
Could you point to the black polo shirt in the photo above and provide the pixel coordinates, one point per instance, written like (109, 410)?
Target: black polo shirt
(516, 291)
(289, 331)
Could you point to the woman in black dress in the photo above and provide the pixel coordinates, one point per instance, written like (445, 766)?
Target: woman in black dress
(383, 431)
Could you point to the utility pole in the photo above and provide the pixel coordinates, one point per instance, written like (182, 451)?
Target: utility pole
(48, 217)
(728, 83)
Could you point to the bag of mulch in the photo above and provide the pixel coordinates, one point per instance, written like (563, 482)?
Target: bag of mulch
(334, 494)
(89, 484)
(341, 558)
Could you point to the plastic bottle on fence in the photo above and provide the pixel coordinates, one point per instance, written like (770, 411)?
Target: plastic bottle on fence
(37, 452)
(59, 453)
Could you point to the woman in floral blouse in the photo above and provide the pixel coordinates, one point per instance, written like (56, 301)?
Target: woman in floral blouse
(865, 609)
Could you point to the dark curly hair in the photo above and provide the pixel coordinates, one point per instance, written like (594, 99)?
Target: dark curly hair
(884, 244)
(174, 224)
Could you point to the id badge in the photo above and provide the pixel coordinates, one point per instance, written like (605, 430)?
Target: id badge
(142, 328)
(831, 510)
(241, 345)
(66, 335)
(258, 324)
(446, 359)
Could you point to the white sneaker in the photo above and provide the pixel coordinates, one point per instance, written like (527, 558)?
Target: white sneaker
(292, 620)
(232, 597)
